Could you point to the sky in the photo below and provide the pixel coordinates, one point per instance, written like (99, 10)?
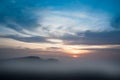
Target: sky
(59, 28)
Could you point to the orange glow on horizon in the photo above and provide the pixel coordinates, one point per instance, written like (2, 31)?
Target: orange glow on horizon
(75, 56)
(75, 51)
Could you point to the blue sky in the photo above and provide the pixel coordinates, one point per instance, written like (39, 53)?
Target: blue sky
(60, 25)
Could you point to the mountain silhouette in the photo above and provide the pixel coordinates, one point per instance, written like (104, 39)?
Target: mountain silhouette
(30, 59)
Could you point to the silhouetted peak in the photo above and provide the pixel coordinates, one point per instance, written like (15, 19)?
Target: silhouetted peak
(31, 59)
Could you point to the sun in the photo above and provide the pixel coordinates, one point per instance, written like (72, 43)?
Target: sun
(75, 56)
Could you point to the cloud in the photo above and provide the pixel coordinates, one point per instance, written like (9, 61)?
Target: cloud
(93, 38)
(63, 22)
(33, 39)
(31, 25)
(19, 17)
(30, 18)
(18, 12)
(115, 22)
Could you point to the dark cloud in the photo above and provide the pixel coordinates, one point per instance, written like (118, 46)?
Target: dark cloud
(93, 38)
(20, 12)
(115, 22)
(34, 39)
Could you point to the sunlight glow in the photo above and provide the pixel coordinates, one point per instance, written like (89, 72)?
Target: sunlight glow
(76, 51)
(75, 56)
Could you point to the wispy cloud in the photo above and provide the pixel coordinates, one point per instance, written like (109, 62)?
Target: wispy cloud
(34, 39)
(63, 22)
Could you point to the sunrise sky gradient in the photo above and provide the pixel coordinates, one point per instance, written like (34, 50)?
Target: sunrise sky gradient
(57, 28)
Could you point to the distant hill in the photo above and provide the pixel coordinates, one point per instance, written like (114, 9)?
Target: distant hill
(31, 59)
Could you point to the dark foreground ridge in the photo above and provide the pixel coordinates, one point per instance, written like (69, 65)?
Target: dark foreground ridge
(73, 76)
